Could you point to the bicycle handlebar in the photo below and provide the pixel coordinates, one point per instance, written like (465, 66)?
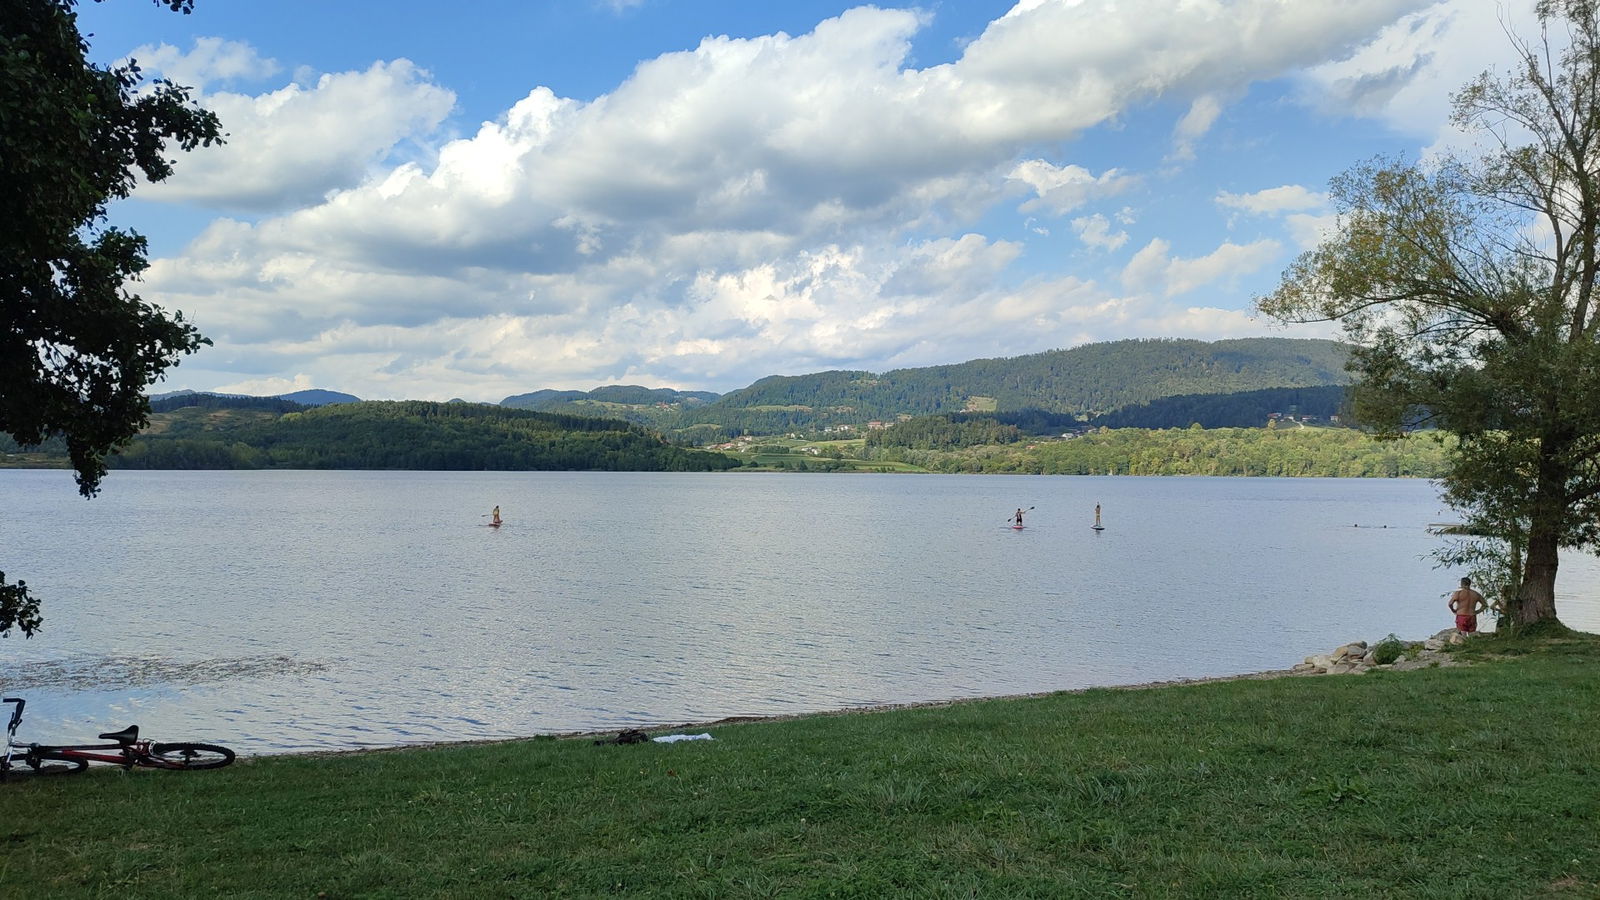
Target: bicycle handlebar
(16, 714)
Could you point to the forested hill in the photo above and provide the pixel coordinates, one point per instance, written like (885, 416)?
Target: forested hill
(403, 435)
(609, 399)
(1090, 380)
(1246, 409)
(1093, 378)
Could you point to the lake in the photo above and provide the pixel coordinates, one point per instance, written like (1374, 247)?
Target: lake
(295, 611)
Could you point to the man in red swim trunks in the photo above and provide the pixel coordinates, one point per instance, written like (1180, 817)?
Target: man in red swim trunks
(1466, 603)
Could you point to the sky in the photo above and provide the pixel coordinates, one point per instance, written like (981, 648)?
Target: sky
(431, 202)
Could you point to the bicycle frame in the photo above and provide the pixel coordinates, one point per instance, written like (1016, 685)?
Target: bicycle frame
(127, 756)
(127, 751)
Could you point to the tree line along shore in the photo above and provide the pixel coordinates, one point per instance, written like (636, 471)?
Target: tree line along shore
(458, 436)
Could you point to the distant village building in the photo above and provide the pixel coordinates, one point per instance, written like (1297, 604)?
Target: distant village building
(876, 426)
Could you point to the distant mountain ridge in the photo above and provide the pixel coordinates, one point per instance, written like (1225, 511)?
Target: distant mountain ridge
(208, 432)
(311, 397)
(624, 394)
(318, 397)
(1090, 380)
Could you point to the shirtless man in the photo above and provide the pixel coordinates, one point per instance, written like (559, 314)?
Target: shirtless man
(1466, 603)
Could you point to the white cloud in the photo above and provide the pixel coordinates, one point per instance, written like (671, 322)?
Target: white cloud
(212, 59)
(1304, 212)
(778, 203)
(269, 387)
(1095, 231)
(1407, 74)
(294, 145)
(1202, 114)
(1154, 267)
(1309, 230)
(1274, 201)
(1061, 189)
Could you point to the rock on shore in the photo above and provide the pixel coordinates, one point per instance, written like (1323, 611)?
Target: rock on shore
(1358, 657)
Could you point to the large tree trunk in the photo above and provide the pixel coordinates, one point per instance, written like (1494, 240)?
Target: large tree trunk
(1536, 599)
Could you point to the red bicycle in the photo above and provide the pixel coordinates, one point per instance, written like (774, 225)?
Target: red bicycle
(128, 751)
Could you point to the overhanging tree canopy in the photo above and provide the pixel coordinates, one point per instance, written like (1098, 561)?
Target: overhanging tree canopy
(77, 348)
(1468, 287)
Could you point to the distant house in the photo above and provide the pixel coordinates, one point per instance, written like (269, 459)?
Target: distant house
(876, 426)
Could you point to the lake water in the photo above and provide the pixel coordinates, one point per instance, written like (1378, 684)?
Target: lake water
(292, 611)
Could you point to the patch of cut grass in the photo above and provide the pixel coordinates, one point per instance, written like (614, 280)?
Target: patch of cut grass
(1474, 781)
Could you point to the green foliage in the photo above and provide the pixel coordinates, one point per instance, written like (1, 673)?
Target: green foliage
(943, 433)
(1467, 286)
(1387, 650)
(1245, 409)
(1289, 452)
(218, 401)
(404, 435)
(1047, 390)
(18, 608)
(77, 348)
(1088, 379)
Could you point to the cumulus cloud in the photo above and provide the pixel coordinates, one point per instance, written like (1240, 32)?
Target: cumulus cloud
(1274, 201)
(211, 60)
(1402, 78)
(1154, 267)
(1061, 189)
(294, 145)
(1095, 231)
(1202, 114)
(1304, 212)
(749, 206)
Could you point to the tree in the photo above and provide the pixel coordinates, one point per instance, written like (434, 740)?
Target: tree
(77, 348)
(1468, 288)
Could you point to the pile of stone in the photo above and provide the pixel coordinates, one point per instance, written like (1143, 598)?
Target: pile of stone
(1359, 657)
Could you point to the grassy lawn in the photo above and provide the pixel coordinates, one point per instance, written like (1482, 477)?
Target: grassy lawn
(1476, 781)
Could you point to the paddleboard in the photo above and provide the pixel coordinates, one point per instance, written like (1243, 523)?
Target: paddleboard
(1098, 527)
(1018, 527)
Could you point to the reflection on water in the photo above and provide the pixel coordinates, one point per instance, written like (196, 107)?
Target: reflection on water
(281, 611)
(87, 672)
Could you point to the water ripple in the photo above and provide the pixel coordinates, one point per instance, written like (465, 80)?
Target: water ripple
(101, 673)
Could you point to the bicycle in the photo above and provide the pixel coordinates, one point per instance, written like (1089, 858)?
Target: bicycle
(65, 759)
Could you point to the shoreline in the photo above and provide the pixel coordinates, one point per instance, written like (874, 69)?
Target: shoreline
(1426, 655)
(1265, 675)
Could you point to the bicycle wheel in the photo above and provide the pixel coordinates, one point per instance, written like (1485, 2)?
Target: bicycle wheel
(43, 763)
(187, 756)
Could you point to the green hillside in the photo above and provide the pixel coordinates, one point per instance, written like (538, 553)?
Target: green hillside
(1086, 381)
(402, 435)
(1246, 409)
(1094, 378)
(648, 406)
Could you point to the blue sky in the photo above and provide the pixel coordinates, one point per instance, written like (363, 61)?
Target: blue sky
(508, 196)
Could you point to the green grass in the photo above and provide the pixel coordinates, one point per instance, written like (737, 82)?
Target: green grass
(1459, 782)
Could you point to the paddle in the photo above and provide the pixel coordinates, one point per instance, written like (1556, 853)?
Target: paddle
(1014, 518)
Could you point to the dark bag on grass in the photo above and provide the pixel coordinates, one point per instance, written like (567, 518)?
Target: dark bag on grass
(626, 736)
